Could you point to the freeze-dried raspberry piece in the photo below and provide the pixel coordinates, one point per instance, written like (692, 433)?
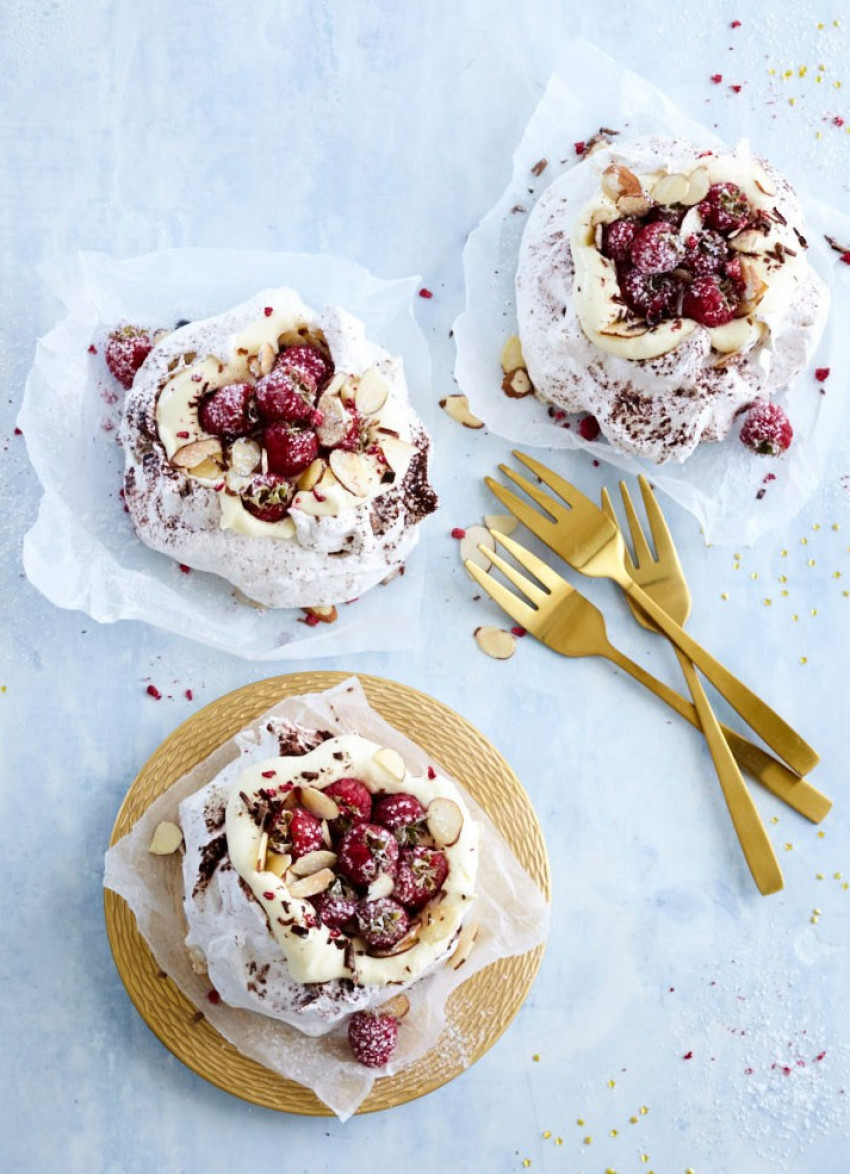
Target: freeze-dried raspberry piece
(282, 397)
(767, 430)
(366, 851)
(422, 872)
(708, 302)
(290, 450)
(372, 1038)
(227, 411)
(126, 350)
(382, 923)
(725, 207)
(617, 238)
(657, 248)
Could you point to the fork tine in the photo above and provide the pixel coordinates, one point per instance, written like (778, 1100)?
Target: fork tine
(660, 531)
(531, 562)
(536, 594)
(507, 601)
(520, 509)
(544, 500)
(642, 552)
(572, 496)
(608, 511)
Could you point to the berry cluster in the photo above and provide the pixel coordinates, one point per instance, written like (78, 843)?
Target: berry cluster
(665, 273)
(126, 349)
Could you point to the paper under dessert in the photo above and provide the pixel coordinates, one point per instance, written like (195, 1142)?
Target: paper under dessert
(332, 877)
(275, 447)
(664, 288)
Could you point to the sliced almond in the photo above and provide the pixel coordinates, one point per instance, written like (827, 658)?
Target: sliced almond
(192, 455)
(516, 384)
(670, 189)
(266, 356)
(335, 420)
(312, 474)
(262, 851)
(628, 328)
(465, 941)
(512, 354)
(691, 223)
(474, 537)
(372, 392)
(764, 185)
(457, 406)
(340, 382)
(311, 886)
(380, 887)
(166, 839)
(444, 820)
(397, 453)
(698, 185)
(277, 863)
(496, 642)
(397, 1006)
(244, 456)
(353, 471)
(318, 803)
(391, 761)
(325, 615)
(754, 289)
(748, 240)
(312, 862)
(634, 205)
(503, 523)
(410, 939)
(618, 181)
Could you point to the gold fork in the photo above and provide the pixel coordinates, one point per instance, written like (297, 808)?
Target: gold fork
(661, 576)
(562, 618)
(579, 532)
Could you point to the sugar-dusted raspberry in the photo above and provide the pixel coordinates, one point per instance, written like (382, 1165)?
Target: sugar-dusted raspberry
(372, 1038)
(725, 207)
(403, 814)
(296, 832)
(670, 213)
(267, 497)
(354, 800)
(228, 411)
(767, 430)
(126, 350)
(708, 302)
(705, 252)
(366, 851)
(422, 872)
(282, 397)
(290, 450)
(617, 238)
(336, 907)
(736, 282)
(307, 364)
(653, 296)
(382, 923)
(657, 248)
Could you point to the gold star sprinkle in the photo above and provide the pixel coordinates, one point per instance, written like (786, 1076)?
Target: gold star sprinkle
(836, 574)
(559, 1141)
(587, 1140)
(768, 602)
(644, 1109)
(580, 1121)
(724, 595)
(783, 578)
(814, 611)
(612, 1084)
(811, 563)
(754, 574)
(838, 876)
(816, 525)
(633, 1120)
(789, 847)
(804, 660)
(774, 819)
(614, 1133)
(804, 542)
(821, 834)
(547, 1133)
(818, 876)
(526, 1162)
(784, 553)
(536, 1058)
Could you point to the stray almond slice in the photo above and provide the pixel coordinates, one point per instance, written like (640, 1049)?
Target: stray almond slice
(397, 1006)
(618, 181)
(262, 851)
(397, 453)
(410, 939)
(698, 185)
(380, 887)
(670, 189)
(496, 642)
(457, 406)
(311, 886)
(634, 205)
(318, 803)
(372, 392)
(391, 761)
(312, 474)
(444, 820)
(312, 862)
(166, 839)
(465, 941)
(194, 454)
(512, 356)
(353, 471)
(764, 186)
(277, 863)
(517, 384)
(325, 615)
(502, 523)
(473, 538)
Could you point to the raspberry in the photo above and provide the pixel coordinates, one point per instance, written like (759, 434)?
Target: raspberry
(267, 497)
(372, 1038)
(227, 411)
(280, 396)
(354, 800)
(421, 874)
(708, 303)
(657, 248)
(654, 296)
(725, 207)
(382, 923)
(617, 238)
(705, 252)
(126, 350)
(290, 450)
(306, 364)
(588, 428)
(767, 430)
(337, 905)
(403, 814)
(296, 832)
(366, 851)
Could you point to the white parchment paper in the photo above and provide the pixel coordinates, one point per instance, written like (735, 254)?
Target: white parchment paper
(719, 483)
(512, 914)
(82, 551)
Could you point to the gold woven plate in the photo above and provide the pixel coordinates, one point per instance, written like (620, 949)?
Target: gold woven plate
(478, 1012)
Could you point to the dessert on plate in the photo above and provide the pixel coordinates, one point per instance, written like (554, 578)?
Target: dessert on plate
(323, 881)
(665, 290)
(275, 447)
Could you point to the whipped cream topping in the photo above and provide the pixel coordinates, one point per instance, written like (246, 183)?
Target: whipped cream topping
(657, 391)
(312, 951)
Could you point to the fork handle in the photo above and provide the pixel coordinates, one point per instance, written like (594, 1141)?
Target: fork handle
(787, 743)
(754, 840)
(773, 775)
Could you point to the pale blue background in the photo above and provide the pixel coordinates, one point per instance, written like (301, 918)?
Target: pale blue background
(382, 132)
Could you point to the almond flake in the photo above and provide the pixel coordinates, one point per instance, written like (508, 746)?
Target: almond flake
(457, 406)
(266, 357)
(194, 454)
(325, 615)
(410, 939)
(516, 384)
(698, 185)
(618, 181)
(670, 189)
(496, 642)
(318, 803)
(262, 850)
(444, 820)
(634, 205)
(501, 523)
(372, 392)
(397, 453)
(311, 886)
(166, 839)
(474, 537)
(390, 761)
(335, 420)
(465, 941)
(312, 862)
(353, 471)
(312, 474)
(380, 887)
(277, 863)
(512, 356)
(244, 456)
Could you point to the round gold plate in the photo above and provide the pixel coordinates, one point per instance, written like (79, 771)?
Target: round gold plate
(478, 1012)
